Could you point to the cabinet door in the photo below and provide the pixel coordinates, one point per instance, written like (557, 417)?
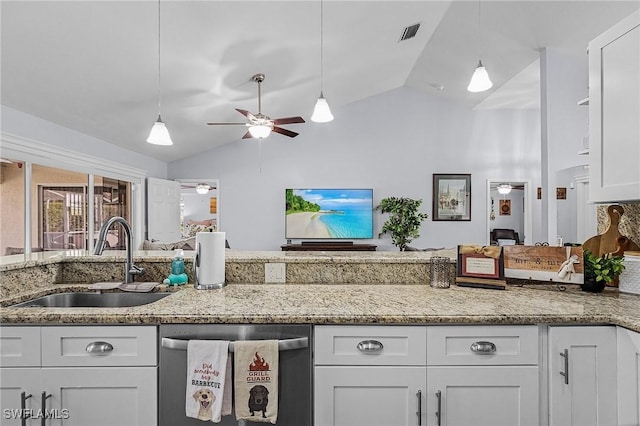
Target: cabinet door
(369, 396)
(15, 381)
(614, 107)
(628, 377)
(125, 396)
(582, 376)
(482, 396)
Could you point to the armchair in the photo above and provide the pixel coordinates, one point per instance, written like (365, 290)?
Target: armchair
(503, 234)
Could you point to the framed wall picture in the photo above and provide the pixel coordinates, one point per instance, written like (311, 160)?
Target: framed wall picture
(561, 193)
(505, 207)
(451, 197)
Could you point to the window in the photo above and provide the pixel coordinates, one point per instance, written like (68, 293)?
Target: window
(11, 207)
(89, 190)
(59, 208)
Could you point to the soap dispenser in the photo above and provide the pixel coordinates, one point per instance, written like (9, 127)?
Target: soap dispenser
(178, 276)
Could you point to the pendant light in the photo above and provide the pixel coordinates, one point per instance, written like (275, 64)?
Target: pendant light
(159, 134)
(480, 80)
(321, 112)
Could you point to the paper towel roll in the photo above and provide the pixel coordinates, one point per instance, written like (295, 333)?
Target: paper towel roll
(209, 262)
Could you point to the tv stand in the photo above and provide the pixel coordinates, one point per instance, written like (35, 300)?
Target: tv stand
(328, 246)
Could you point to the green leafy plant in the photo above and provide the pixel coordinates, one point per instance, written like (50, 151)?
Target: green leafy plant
(404, 220)
(604, 268)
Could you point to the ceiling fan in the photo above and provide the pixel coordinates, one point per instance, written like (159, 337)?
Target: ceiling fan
(200, 188)
(260, 125)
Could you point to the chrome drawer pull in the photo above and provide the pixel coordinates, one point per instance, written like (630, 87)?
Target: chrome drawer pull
(419, 412)
(99, 348)
(483, 348)
(369, 346)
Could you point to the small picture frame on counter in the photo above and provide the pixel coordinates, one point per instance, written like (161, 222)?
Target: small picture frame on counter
(480, 266)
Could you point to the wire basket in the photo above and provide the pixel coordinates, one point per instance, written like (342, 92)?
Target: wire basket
(440, 272)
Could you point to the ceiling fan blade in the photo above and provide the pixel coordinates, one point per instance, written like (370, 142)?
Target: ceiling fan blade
(285, 132)
(247, 135)
(227, 124)
(246, 113)
(288, 120)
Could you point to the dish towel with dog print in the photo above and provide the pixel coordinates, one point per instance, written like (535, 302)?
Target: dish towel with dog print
(206, 375)
(256, 380)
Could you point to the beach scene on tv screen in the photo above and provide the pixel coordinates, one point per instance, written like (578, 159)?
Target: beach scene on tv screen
(329, 213)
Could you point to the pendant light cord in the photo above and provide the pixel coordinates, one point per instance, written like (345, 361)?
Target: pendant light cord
(321, 47)
(158, 58)
(479, 32)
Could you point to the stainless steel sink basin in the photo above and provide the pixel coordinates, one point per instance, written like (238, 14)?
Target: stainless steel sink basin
(93, 300)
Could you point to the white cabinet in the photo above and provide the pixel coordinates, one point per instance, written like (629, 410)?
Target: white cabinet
(372, 396)
(434, 375)
(582, 375)
(72, 380)
(482, 375)
(369, 375)
(628, 377)
(482, 396)
(614, 108)
(19, 394)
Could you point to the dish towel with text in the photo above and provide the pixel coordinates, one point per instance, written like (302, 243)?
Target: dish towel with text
(206, 375)
(256, 380)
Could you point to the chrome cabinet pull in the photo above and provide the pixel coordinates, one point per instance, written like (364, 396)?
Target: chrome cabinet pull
(23, 408)
(565, 373)
(99, 348)
(483, 348)
(439, 409)
(43, 419)
(369, 346)
(419, 412)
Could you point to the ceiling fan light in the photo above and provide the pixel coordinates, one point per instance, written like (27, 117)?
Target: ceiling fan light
(159, 134)
(260, 131)
(480, 80)
(321, 112)
(202, 188)
(504, 189)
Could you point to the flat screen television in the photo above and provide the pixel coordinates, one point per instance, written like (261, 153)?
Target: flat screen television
(328, 213)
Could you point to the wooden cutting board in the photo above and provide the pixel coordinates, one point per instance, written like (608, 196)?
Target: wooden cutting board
(611, 241)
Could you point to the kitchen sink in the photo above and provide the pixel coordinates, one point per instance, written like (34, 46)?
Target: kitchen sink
(93, 300)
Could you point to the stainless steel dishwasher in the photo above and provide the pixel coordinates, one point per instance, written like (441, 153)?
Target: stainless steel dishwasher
(295, 375)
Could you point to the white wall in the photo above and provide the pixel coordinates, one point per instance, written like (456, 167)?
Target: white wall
(564, 81)
(30, 127)
(392, 142)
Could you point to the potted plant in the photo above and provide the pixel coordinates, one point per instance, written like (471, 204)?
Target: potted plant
(598, 271)
(404, 220)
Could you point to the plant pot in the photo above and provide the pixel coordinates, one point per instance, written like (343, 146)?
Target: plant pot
(593, 286)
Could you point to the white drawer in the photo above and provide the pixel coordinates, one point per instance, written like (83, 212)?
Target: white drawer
(482, 345)
(20, 346)
(71, 346)
(379, 345)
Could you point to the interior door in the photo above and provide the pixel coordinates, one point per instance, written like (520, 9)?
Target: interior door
(163, 210)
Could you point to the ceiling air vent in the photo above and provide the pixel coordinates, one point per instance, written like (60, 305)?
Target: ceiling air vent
(409, 32)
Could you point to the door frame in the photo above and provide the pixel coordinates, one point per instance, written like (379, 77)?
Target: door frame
(527, 216)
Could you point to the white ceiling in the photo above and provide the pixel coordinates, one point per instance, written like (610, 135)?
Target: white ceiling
(92, 65)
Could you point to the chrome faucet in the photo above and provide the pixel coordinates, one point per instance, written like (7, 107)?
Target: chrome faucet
(131, 270)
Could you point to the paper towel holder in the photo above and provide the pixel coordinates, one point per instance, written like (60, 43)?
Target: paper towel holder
(197, 284)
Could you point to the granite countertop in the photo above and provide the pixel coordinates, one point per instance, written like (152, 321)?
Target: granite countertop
(352, 304)
(237, 256)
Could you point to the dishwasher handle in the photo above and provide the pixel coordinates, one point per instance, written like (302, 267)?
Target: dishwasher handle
(283, 345)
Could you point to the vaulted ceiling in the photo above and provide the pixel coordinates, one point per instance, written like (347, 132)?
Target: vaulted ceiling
(93, 65)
